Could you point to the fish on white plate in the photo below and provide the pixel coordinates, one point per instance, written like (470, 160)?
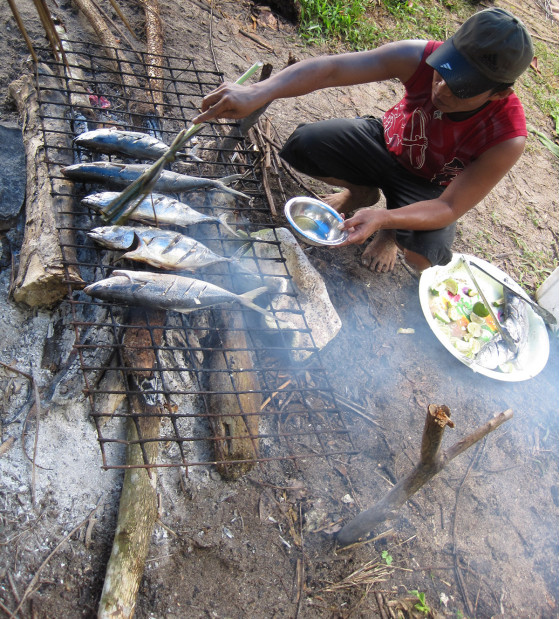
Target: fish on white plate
(496, 353)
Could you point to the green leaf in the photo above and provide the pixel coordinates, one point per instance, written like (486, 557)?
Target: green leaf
(552, 146)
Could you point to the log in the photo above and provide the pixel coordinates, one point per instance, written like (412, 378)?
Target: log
(431, 463)
(232, 395)
(138, 509)
(154, 56)
(42, 277)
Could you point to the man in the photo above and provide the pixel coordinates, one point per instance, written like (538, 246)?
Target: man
(435, 155)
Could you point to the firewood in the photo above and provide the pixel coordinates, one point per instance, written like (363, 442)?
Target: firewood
(234, 400)
(42, 276)
(431, 463)
(138, 509)
(154, 48)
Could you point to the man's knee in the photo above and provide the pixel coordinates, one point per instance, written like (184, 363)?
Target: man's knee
(302, 140)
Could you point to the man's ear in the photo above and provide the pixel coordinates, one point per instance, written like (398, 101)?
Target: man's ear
(501, 95)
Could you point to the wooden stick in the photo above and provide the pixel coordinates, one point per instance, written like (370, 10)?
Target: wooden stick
(23, 31)
(50, 30)
(431, 463)
(268, 400)
(257, 40)
(122, 17)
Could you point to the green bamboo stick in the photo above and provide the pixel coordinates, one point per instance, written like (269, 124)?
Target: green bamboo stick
(119, 210)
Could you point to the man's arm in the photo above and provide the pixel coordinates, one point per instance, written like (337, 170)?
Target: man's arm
(462, 194)
(393, 60)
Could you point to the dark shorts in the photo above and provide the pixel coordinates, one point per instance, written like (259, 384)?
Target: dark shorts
(354, 150)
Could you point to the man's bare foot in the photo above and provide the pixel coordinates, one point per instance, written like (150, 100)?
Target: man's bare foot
(381, 254)
(349, 200)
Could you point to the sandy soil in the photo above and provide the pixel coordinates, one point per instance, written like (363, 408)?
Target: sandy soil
(256, 547)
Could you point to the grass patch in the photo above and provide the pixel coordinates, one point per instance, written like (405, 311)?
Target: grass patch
(341, 20)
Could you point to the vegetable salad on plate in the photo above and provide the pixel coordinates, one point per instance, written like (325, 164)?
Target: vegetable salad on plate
(461, 315)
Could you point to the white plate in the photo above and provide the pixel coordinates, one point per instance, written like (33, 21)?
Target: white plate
(534, 356)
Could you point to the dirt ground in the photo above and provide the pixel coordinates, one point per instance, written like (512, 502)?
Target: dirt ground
(480, 540)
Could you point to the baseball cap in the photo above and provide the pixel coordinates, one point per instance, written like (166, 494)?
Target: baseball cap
(492, 47)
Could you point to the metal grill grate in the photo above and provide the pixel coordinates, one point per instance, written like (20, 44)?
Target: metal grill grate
(292, 414)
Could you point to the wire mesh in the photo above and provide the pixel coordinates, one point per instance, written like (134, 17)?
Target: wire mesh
(223, 386)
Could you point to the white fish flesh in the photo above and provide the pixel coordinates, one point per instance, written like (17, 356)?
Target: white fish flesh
(159, 209)
(122, 175)
(169, 292)
(516, 322)
(163, 249)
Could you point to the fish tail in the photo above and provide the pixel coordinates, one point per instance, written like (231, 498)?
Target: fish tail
(223, 220)
(226, 180)
(247, 299)
(234, 192)
(129, 255)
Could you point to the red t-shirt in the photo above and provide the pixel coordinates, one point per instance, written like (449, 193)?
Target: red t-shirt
(429, 144)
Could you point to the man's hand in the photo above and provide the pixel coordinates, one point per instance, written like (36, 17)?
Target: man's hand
(362, 225)
(228, 101)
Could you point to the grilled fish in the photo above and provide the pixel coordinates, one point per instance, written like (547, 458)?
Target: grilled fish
(122, 175)
(516, 322)
(159, 209)
(169, 292)
(163, 249)
(129, 143)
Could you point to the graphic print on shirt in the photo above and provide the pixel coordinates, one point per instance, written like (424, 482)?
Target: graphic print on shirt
(413, 142)
(417, 142)
(449, 172)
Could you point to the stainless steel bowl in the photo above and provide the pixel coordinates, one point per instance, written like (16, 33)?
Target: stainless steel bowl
(315, 222)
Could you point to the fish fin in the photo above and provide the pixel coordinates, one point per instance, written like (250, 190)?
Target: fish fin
(129, 255)
(223, 219)
(247, 299)
(126, 274)
(226, 180)
(239, 253)
(138, 244)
